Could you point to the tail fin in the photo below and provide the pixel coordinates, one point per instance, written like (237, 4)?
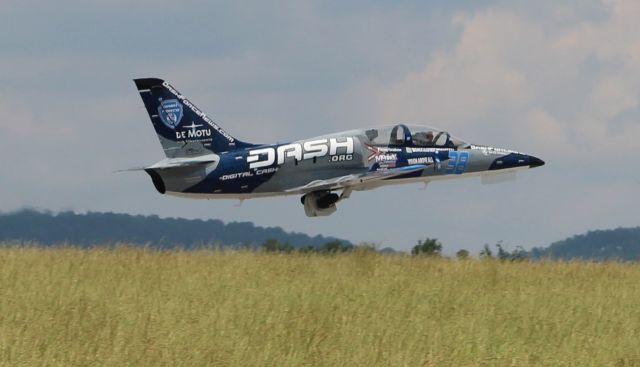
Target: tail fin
(183, 130)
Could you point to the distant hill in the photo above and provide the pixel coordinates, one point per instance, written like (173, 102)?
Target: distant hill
(615, 244)
(107, 228)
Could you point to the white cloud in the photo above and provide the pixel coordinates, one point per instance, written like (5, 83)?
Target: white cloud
(512, 75)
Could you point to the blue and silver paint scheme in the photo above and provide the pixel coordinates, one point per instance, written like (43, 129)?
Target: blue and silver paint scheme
(204, 161)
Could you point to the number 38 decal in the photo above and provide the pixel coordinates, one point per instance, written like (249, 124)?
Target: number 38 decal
(457, 162)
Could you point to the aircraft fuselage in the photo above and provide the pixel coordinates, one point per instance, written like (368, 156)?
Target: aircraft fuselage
(271, 170)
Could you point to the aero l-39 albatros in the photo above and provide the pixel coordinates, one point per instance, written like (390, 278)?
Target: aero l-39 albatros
(204, 161)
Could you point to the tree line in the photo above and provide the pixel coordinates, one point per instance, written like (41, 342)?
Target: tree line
(429, 247)
(90, 229)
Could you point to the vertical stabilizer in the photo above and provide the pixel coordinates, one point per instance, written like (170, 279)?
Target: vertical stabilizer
(183, 129)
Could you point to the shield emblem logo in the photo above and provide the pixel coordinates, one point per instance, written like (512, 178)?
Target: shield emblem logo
(170, 112)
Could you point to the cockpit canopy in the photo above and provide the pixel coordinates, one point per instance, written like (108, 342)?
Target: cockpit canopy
(412, 136)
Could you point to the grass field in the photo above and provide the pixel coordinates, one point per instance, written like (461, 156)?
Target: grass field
(139, 307)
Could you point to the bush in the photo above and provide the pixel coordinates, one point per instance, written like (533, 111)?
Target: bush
(335, 246)
(486, 252)
(428, 247)
(519, 254)
(272, 245)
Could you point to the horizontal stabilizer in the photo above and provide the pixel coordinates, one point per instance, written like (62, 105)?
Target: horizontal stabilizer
(186, 162)
(133, 169)
(179, 162)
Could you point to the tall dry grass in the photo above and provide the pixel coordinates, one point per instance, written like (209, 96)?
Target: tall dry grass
(138, 307)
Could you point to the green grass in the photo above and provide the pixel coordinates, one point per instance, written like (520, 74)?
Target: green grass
(138, 307)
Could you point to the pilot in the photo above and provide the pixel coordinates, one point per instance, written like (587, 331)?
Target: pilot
(430, 138)
(423, 139)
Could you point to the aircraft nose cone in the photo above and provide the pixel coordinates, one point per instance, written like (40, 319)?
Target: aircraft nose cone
(535, 162)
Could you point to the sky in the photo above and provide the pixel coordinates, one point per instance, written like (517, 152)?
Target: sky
(557, 79)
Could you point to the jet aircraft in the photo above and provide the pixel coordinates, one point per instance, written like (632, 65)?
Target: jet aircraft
(204, 161)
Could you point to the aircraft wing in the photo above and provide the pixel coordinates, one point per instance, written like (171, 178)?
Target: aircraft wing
(352, 181)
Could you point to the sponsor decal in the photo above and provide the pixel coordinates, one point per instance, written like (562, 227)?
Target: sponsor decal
(194, 133)
(375, 152)
(341, 157)
(386, 158)
(421, 160)
(387, 165)
(457, 163)
(233, 176)
(170, 112)
(239, 175)
(486, 150)
(337, 150)
(266, 171)
(259, 158)
(197, 111)
(428, 150)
